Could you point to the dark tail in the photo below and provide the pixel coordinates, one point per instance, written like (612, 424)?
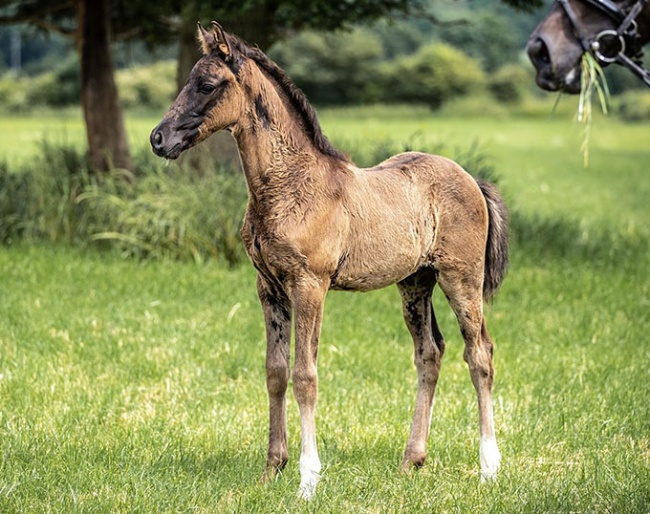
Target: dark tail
(496, 251)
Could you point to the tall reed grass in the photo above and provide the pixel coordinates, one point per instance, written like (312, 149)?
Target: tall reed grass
(161, 210)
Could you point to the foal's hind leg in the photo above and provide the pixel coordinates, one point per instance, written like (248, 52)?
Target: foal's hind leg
(428, 348)
(464, 292)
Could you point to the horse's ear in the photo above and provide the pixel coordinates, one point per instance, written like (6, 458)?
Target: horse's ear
(205, 39)
(221, 41)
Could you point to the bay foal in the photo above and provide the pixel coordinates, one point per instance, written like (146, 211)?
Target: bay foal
(316, 222)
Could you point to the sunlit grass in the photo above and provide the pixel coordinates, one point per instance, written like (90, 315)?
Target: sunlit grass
(140, 387)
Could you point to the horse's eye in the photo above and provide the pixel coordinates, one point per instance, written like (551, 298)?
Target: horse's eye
(207, 88)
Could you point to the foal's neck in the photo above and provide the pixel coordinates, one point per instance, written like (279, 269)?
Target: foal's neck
(278, 156)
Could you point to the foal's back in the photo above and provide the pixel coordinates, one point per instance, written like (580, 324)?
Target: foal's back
(402, 213)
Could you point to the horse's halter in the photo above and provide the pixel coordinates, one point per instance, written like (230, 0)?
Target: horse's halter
(621, 45)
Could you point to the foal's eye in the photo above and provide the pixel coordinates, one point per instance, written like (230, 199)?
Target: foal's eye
(207, 88)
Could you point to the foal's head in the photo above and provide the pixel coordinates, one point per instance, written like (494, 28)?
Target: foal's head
(211, 100)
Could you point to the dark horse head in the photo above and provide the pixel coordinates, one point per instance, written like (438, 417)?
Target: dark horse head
(613, 31)
(211, 100)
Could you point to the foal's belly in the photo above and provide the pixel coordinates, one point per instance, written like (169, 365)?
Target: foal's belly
(368, 282)
(377, 268)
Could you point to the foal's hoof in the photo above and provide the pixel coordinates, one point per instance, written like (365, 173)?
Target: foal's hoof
(409, 464)
(269, 475)
(308, 483)
(272, 471)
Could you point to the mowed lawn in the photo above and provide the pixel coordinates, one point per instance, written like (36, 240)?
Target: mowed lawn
(131, 386)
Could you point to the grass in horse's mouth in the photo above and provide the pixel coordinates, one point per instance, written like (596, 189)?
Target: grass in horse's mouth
(592, 79)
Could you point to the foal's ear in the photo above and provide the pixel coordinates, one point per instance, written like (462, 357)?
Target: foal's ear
(214, 40)
(222, 44)
(206, 40)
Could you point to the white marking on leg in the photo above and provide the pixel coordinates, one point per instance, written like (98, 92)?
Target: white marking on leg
(310, 467)
(490, 458)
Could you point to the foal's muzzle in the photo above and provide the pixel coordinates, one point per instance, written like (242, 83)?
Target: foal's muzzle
(166, 142)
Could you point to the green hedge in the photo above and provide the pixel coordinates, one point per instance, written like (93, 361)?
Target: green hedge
(633, 105)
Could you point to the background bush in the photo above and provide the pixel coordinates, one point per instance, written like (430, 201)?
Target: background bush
(434, 74)
(162, 212)
(633, 105)
(150, 87)
(14, 94)
(353, 68)
(333, 68)
(58, 88)
(510, 83)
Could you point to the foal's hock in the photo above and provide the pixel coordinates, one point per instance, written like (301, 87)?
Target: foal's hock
(316, 222)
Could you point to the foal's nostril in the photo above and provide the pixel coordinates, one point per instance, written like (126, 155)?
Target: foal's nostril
(157, 138)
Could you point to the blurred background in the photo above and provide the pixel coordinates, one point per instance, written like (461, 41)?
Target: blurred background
(135, 55)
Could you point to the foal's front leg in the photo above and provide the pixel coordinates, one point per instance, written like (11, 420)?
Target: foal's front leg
(308, 296)
(277, 317)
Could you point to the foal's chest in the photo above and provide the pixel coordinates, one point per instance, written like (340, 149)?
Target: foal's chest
(273, 257)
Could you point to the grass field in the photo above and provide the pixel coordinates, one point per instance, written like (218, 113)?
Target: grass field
(139, 387)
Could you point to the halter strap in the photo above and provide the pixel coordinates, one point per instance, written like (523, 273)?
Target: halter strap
(608, 7)
(624, 40)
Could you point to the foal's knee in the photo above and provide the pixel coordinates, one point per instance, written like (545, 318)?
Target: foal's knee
(277, 378)
(305, 384)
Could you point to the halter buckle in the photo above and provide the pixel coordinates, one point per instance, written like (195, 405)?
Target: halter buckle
(608, 45)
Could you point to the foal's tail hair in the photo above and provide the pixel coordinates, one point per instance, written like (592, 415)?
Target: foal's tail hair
(496, 251)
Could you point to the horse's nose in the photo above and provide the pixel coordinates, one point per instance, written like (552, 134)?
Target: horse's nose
(156, 139)
(538, 52)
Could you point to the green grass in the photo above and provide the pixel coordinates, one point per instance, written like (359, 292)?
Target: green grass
(132, 386)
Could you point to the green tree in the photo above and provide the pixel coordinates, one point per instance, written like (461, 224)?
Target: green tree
(433, 75)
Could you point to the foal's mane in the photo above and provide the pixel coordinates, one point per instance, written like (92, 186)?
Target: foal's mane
(296, 97)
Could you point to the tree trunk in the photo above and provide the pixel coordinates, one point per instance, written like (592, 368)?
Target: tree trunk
(188, 52)
(107, 142)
